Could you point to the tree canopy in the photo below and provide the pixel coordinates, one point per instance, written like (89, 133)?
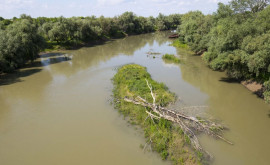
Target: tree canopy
(19, 43)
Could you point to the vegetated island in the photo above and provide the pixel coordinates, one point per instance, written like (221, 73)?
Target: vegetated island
(168, 132)
(171, 58)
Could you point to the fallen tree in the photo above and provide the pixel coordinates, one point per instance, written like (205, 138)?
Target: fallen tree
(168, 132)
(188, 124)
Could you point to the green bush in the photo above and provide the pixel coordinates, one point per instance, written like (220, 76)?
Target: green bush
(177, 43)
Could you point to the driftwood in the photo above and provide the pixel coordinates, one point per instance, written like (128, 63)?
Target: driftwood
(174, 36)
(190, 125)
(153, 53)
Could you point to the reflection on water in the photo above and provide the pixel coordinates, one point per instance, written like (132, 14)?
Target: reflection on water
(56, 111)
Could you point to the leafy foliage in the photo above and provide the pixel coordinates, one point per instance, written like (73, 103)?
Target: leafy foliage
(19, 43)
(241, 6)
(194, 28)
(177, 43)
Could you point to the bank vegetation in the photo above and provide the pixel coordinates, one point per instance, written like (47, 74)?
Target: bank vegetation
(235, 39)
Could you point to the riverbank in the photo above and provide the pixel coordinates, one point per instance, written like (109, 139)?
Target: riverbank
(252, 85)
(255, 87)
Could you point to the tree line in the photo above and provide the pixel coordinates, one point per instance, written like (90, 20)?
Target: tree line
(21, 39)
(235, 39)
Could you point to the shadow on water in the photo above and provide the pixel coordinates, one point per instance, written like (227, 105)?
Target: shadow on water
(228, 80)
(91, 44)
(16, 76)
(32, 68)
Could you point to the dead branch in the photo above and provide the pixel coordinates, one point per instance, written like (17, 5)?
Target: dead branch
(189, 124)
(152, 116)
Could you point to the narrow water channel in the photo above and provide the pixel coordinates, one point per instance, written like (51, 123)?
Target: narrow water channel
(58, 111)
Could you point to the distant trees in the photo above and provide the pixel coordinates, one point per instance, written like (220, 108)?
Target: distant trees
(126, 22)
(194, 29)
(63, 30)
(235, 39)
(22, 38)
(241, 6)
(167, 22)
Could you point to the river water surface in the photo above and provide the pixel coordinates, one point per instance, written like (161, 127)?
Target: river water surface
(58, 112)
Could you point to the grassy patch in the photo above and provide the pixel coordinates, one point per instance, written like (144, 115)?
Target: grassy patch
(177, 43)
(171, 58)
(163, 136)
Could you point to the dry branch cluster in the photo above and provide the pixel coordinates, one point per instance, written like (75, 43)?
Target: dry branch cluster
(190, 125)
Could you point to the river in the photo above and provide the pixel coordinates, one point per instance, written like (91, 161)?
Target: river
(58, 110)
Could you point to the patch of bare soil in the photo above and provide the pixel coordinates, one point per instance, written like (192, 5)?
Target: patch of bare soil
(254, 87)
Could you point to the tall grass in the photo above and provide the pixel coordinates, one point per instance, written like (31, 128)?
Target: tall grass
(171, 58)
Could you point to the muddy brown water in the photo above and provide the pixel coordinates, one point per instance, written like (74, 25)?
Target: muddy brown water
(58, 112)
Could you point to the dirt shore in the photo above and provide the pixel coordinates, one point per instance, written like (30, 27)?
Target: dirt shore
(254, 87)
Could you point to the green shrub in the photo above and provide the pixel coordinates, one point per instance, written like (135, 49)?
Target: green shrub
(177, 43)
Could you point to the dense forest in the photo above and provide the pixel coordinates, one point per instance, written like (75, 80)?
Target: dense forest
(235, 39)
(21, 39)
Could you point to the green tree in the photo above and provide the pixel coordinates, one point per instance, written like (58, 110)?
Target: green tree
(241, 6)
(194, 29)
(126, 22)
(19, 43)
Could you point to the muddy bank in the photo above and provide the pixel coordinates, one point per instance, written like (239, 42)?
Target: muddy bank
(253, 86)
